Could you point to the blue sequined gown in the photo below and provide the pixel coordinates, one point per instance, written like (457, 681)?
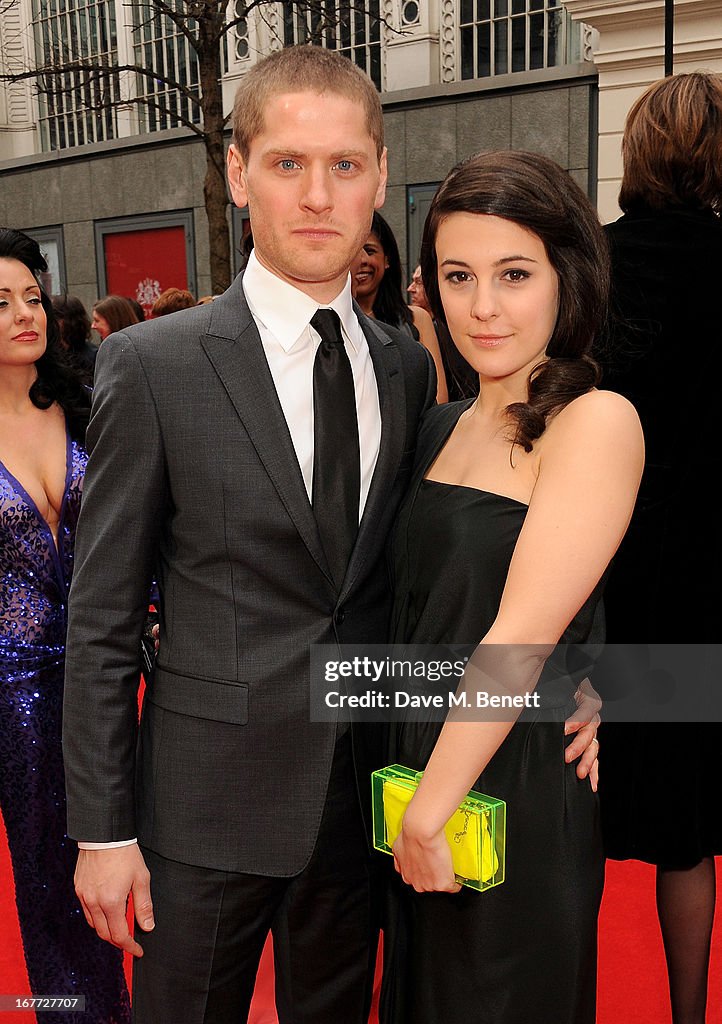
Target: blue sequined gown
(63, 955)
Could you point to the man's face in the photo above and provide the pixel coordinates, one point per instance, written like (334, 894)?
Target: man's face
(312, 181)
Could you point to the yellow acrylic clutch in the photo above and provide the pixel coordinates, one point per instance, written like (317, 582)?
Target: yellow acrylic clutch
(476, 830)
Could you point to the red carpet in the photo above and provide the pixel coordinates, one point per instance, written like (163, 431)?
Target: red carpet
(632, 982)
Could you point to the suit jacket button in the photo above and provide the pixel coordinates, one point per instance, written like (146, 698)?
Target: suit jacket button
(339, 616)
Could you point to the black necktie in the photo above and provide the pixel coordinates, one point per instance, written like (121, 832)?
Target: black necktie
(336, 455)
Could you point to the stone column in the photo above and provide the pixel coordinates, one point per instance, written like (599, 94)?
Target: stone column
(126, 114)
(18, 110)
(410, 44)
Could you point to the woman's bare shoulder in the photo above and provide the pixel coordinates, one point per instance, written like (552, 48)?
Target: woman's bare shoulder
(596, 411)
(601, 426)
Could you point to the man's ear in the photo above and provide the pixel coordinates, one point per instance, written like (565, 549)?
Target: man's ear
(237, 177)
(381, 190)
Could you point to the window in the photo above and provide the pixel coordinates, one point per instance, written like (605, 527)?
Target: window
(498, 37)
(159, 45)
(354, 30)
(418, 202)
(74, 105)
(50, 241)
(142, 256)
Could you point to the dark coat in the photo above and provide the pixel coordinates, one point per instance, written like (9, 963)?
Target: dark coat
(667, 359)
(664, 584)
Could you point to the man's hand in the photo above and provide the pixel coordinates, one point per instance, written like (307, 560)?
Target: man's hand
(584, 722)
(103, 881)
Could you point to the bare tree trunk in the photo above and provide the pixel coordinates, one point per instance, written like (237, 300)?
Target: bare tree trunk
(214, 185)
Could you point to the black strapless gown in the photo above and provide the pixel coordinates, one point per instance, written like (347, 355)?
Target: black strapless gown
(525, 951)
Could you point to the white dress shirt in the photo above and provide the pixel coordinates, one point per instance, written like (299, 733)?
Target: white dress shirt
(282, 315)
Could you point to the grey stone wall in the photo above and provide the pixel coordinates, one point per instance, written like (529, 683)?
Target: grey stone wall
(76, 192)
(425, 138)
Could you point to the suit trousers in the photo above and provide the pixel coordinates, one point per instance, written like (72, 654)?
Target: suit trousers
(199, 963)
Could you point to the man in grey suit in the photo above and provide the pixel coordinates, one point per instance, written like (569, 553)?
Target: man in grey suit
(250, 454)
(202, 471)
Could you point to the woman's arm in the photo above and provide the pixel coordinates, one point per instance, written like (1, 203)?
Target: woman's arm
(427, 336)
(591, 462)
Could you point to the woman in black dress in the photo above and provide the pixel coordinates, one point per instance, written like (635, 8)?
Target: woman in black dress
(518, 503)
(664, 585)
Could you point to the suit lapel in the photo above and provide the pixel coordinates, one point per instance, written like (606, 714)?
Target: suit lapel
(392, 401)
(233, 346)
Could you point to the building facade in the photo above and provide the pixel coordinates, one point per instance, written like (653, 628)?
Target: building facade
(115, 194)
(102, 188)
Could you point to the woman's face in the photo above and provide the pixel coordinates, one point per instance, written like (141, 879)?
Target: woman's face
(23, 323)
(417, 292)
(499, 291)
(101, 325)
(368, 269)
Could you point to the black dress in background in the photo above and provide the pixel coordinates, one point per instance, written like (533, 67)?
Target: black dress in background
(526, 950)
(665, 580)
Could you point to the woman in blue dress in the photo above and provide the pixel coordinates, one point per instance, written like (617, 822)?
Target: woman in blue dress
(43, 415)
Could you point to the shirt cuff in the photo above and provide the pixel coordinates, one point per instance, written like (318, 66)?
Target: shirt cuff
(106, 846)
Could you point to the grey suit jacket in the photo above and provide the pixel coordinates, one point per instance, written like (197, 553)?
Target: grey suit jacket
(193, 479)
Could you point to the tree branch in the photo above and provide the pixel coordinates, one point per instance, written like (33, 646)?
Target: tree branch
(231, 23)
(184, 121)
(178, 19)
(105, 70)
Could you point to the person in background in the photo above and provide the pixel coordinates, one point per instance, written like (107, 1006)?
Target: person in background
(417, 292)
(205, 299)
(74, 324)
(246, 247)
(461, 380)
(171, 300)
(516, 505)
(112, 314)
(139, 311)
(376, 285)
(43, 416)
(664, 585)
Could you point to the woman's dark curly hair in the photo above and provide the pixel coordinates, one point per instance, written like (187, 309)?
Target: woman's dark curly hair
(73, 321)
(537, 194)
(390, 305)
(56, 381)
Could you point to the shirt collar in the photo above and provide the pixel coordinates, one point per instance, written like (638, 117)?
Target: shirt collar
(286, 311)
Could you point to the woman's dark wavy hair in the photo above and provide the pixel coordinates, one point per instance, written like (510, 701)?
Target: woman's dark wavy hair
(537, 194)
(73, 321)
(390, 305)
(56, 381)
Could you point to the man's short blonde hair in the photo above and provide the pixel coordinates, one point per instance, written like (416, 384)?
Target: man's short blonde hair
(302, 69)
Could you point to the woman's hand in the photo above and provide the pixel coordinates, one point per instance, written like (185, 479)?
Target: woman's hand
(425, 862)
